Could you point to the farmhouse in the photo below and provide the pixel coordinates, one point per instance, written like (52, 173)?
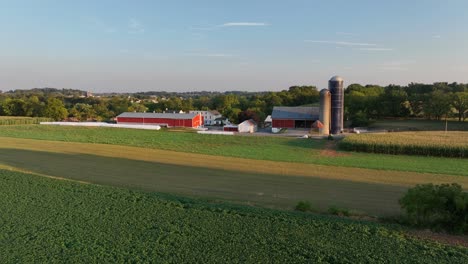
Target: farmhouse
(294, 117)
(163, 119)
(209, 117)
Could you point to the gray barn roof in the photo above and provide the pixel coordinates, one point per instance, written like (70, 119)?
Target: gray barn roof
(158, 115)
(296, 113)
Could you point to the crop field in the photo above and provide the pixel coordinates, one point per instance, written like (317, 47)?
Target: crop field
(21, 120)
(419, 125)
(48, 220)
(303, 151)
(450, 144)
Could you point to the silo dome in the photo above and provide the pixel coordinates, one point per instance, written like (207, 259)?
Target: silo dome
(336, 79)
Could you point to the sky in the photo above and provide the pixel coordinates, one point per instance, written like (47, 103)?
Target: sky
(247, 45)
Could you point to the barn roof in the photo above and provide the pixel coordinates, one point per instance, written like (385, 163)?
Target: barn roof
(295, 113)
(158, 115)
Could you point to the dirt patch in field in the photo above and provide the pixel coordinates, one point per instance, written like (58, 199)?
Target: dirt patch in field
(440, 237)
(330, 150)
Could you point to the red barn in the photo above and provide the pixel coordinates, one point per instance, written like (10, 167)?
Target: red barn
(162, 119)
(294, 117)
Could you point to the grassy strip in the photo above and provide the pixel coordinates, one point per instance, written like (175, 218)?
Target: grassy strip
(259, 148)
(46, 220)
(441, 144)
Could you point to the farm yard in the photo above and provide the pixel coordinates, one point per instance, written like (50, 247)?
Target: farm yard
(90, 223)
(182, 175)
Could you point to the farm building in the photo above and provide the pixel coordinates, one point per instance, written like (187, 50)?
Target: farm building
(209, 117)
(248, 126)
(162, 119)
(294, 117)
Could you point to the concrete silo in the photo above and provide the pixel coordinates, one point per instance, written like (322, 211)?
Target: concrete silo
(335, 85)
(324, 111)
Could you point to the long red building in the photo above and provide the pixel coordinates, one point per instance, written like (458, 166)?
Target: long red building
(163, 119)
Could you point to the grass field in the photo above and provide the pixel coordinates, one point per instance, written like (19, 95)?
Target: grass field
(260, 148)
(255, 182)
(419, 125)
(46, 220)
(434, 143)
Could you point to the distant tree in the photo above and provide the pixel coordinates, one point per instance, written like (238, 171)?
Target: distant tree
(14, 107)
(394, 102)
(437, 105)
(34, 107)
(83, 112)
(55, 109)
(460, 103)
(232, 114)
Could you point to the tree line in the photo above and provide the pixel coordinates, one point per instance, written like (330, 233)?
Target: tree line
(362, 103)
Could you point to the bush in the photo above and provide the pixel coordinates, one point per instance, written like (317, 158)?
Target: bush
(334, 210)
(330, 137)
(303, 206)
(439, 207)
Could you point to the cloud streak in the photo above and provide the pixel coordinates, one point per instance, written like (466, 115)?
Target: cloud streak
(135, 27)
(244, 24)
(341, 43)
(212, 55)
(376, 49)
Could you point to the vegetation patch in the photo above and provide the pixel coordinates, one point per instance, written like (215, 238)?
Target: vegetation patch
(46, 220)
(21, 120)
(441, 144)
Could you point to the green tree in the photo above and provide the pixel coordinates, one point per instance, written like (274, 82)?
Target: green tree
(83, 112)
(55, 109)
(34, 107)
(442, 206)
(14, 107)
(437, 105)
(460, 103)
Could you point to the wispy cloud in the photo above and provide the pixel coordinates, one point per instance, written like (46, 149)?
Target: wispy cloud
(213, 55)
(436, 36)
(135, 27)
(100, 25)
(346, 34)
(376, 49)
(402, 65)
(244, 24)
(340, 43)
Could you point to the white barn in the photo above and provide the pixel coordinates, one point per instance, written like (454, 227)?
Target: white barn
(248, 126)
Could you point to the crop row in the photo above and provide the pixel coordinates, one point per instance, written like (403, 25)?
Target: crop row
(439, 144)
(5, 121)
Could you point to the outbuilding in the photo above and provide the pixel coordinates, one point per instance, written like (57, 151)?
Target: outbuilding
(248, 126)
(163, 119)
(294, 117)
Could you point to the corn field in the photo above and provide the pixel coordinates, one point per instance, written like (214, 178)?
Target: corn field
(439, 144)
(18, 120)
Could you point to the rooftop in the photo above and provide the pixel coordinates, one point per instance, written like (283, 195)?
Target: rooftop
(158, 115)
(295, 112)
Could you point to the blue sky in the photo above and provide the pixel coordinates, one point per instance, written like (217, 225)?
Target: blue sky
(251, 45)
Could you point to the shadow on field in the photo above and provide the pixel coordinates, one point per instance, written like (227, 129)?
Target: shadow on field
(270, 190)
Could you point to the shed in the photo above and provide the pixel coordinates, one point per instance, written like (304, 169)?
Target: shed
(248, 126)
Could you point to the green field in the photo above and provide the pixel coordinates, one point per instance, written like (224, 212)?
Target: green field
(46, 220)
(419, 125)
(433, 143)
(260, 148)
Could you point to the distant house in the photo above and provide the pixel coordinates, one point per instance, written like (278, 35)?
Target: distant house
(294, 117)
(162, 119)
(209, 117)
